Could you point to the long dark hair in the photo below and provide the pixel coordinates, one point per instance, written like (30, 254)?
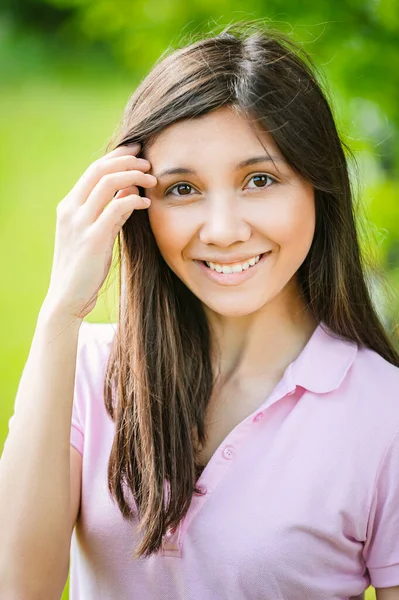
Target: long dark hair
(160, 375)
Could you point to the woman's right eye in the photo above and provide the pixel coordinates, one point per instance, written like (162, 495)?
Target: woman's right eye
(179, 186)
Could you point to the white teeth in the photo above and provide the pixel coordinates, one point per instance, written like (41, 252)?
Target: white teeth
(227, 269)
(237, 268)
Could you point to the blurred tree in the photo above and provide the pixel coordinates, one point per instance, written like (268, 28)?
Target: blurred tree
(138, 31)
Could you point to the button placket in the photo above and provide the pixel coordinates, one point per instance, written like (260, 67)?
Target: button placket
(173, 539)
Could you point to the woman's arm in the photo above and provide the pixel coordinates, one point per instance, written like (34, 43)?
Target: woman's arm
(35, 505)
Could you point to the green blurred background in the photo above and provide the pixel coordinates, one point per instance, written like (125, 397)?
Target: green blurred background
(67, 68)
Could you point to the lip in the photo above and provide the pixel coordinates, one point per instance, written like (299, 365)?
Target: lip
(232, 278)
(242, 259)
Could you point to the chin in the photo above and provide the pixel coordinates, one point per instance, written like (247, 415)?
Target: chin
(233, 308)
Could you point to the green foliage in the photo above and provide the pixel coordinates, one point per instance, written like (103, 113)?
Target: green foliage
(355, 39)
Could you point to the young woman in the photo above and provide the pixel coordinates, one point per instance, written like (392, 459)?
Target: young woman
(236, 434)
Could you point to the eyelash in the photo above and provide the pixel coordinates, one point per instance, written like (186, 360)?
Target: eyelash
(168, 193)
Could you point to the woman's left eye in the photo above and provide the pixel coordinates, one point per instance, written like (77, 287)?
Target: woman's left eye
(262, 178)
(178, 185)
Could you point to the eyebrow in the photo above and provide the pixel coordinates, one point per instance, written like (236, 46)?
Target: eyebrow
(245, 163)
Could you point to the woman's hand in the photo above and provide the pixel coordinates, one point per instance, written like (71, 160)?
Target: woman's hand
(88, 221)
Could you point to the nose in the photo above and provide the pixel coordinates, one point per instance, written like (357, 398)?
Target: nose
(223, 223)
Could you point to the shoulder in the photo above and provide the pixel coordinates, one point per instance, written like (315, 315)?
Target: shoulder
(95, 338)
(88, 412)
(373, 387)
(96, 333)
(377, 372)
(94, 345)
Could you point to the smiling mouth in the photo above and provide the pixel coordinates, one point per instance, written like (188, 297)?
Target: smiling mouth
(237, 268)
(235, 277)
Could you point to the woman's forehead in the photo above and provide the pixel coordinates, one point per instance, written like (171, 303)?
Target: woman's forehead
(218, 134)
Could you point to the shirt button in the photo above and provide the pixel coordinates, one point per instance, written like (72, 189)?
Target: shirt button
(258, 417)
(202, 488)
(228, 452)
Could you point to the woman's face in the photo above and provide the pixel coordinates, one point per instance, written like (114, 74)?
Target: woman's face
(225, 205)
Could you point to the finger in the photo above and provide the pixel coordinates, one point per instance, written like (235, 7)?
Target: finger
(102, 167)
(106, 164)
(130, 189)
(116, 214)
(104, 191)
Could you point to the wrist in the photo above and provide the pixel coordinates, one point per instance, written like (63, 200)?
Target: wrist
(52, 314)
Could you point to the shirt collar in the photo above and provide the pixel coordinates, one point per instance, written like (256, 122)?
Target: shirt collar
(324, 361)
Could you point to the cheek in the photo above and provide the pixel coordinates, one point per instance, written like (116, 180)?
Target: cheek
(170, 231)
(292, 223)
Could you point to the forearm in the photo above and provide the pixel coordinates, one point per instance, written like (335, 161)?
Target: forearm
(35, 465)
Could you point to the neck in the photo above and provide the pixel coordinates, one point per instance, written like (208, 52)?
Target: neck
(259, 346)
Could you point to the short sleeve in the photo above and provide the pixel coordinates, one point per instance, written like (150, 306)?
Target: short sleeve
(81, 373)
(381, 549)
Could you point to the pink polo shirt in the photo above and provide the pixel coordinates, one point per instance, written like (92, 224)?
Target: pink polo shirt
(302, 496)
